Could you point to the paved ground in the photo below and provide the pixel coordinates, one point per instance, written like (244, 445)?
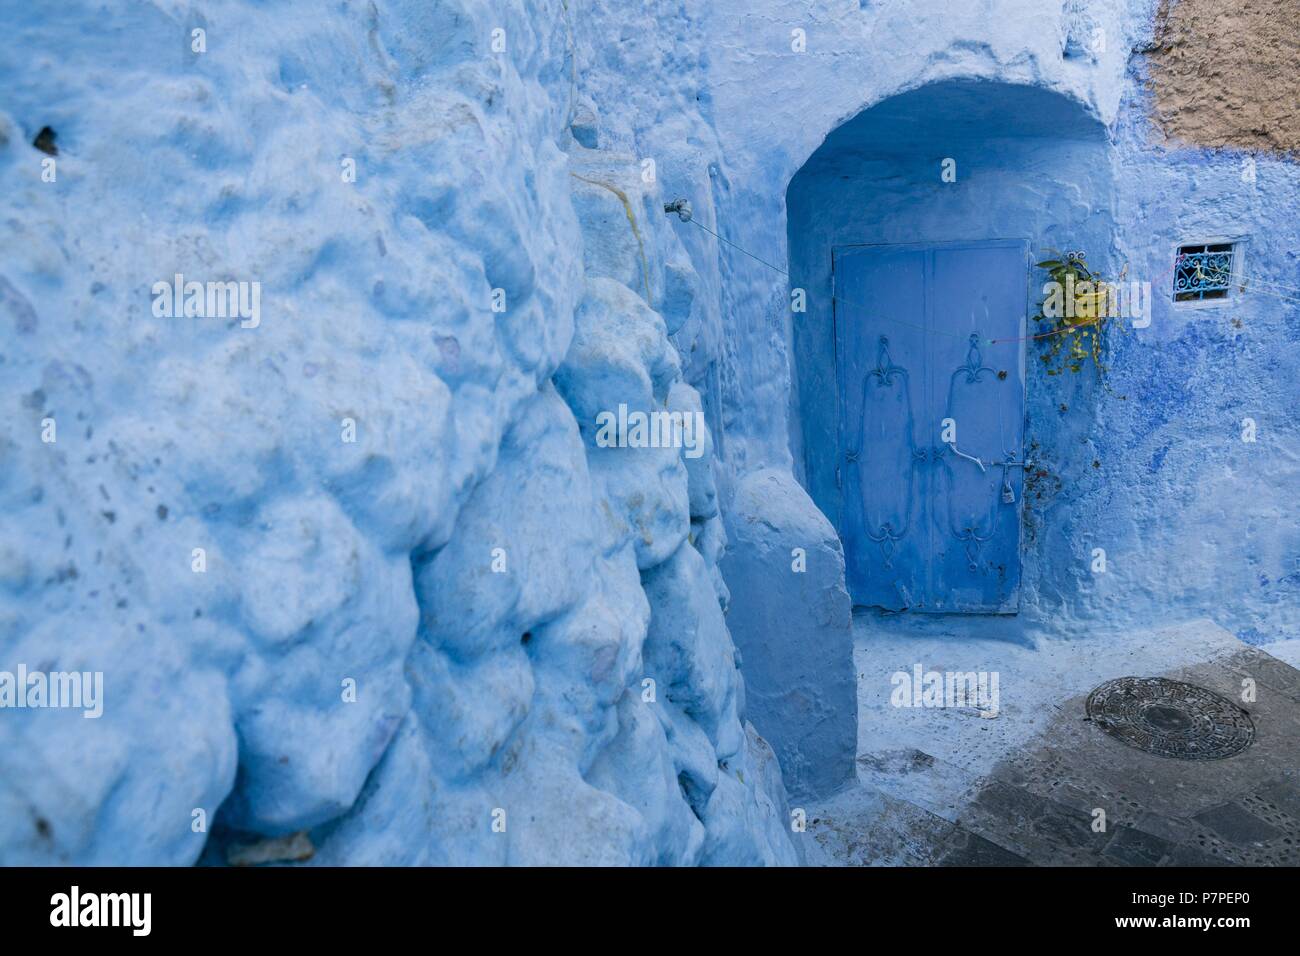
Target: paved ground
(946, 786)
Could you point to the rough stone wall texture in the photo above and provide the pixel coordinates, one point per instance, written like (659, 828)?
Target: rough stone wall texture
(504, 146)
(1227, 73)
(532, 625)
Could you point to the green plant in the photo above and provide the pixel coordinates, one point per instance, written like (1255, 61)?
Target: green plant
(1077, 307)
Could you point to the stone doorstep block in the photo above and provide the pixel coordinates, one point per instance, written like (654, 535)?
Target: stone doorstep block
(790, 618)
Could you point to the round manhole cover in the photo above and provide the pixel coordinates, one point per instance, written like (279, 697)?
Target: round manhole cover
(1170, 718)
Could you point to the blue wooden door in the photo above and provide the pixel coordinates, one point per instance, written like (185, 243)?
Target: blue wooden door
(929, 343)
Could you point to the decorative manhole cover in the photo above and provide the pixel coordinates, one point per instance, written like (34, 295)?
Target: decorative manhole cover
(1170, 718)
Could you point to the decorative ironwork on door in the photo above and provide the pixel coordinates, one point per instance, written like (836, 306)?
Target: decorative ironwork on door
(885, 375)
(932, 423)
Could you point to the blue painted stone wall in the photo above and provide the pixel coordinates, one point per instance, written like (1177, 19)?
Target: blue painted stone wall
(1207, 532)
(522, 166)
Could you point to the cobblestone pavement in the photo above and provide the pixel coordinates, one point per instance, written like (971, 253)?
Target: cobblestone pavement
(1049, 786)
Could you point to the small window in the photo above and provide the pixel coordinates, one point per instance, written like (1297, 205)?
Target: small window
(1204, 272)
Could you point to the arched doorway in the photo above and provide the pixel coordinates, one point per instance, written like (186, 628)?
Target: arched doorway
(912, 230)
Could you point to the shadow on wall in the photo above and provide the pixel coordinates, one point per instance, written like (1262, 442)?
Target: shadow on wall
(960, 160)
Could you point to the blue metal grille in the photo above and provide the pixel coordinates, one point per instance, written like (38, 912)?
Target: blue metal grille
(1203, 272)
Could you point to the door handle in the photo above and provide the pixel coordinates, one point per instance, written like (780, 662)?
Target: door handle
(956, 451)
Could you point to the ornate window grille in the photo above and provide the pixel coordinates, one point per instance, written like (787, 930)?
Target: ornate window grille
(1204, 272)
